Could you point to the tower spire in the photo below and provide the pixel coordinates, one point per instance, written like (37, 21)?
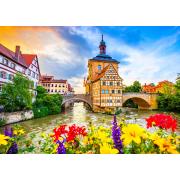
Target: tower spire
(102, 46)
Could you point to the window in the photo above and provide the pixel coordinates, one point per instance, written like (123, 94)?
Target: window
(52, 85)
(10, 77)
(113, 91)
(12, 65)
(59, 85)
(118, 83)
(99, 67)
(107, 91)
(118, 101)
(5, 61)
(119, 91)
(3, 74)
(37, 76)
(104, 83)
(55, 85)
(31, 66)
(109, 100)
(102, 91)
(55, 90)
(51, 90)
(29, 72)
(33, 74)
(111, 83)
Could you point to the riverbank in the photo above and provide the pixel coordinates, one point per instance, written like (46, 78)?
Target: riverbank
(79, 114)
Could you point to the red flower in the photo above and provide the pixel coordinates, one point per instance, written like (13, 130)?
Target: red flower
(70, 134)
(59, 131)
(163, 121)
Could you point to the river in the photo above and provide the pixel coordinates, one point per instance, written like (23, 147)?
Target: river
(79, 114)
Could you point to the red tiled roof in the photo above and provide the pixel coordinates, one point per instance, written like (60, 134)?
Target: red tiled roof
(29, 58)
(101, 74)
(54, 81)
(11, 55)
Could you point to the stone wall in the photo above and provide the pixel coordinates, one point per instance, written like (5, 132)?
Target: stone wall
(17, 116)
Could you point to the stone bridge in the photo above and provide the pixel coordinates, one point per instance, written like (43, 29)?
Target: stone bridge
(77, 98)
(143, 100)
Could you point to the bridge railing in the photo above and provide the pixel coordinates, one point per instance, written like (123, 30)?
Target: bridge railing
(138, 93)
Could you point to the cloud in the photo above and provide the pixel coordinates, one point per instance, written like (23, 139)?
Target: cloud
(64, 51)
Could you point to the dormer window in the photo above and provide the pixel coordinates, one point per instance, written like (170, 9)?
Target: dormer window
(99, 67)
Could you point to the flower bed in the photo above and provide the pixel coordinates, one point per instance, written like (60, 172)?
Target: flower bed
(119, 139)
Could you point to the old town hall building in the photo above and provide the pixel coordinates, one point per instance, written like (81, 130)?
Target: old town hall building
(103, 83)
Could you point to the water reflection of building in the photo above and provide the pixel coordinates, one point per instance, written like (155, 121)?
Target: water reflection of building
(103, 82)
(54, 86)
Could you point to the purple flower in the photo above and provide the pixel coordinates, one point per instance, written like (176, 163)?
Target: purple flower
(13, 149)
(61, 149)
(116, 134)
(8, 131)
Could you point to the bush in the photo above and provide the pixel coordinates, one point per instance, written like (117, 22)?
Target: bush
(2, 121)
(16, 96)
(51, 101)
(40, 112)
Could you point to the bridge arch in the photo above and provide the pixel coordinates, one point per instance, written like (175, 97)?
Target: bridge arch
(76, 100)
(142, 103)
(143, 100)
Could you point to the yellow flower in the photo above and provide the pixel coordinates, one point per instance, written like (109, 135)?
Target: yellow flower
(177, 140)
(18, 132)
(21, 131)
(166, 146)
(154, 136)
(106, 149)
(43, 135)
(132, 132)
(3, 139)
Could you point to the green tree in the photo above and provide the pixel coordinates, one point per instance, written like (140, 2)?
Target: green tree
(16, 95)
(135, 87)
(170, 100)
(46, 103)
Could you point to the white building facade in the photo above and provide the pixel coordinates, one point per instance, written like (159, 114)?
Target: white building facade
(16, 62)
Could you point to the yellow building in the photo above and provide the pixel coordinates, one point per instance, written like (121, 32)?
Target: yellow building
(54, 86)
(103, 82)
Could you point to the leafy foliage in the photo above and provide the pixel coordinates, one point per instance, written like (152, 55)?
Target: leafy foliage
(170, 101)
(2, 121)
(135, 87)
(46, 104)
(16, 96)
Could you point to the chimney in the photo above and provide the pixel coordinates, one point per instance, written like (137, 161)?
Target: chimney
(17, 53)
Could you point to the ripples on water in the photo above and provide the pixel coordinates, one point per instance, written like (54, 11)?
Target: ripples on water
(78, 114)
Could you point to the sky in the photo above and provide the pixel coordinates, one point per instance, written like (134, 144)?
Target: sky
(147, 54)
